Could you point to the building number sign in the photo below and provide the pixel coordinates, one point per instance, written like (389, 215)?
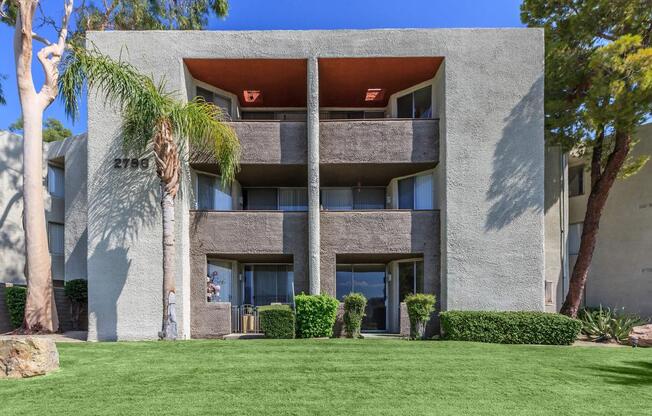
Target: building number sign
(133, 163)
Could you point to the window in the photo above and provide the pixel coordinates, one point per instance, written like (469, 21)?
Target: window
(410, 278)
(368, 279)
(219, 281)
(415, 192)
(56, 240)
(549, 292)
(574, 238)
(264, 199)
(211, 195)
(417, 104)
(576, 180)
(337, 199)
(368, 198)
(56, 180)
(268, 283)
(210, 97)
(293, 199)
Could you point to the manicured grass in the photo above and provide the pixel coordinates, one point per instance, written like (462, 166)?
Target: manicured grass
(338, 377)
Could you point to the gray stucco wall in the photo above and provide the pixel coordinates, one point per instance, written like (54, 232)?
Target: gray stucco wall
(491, 157)
(555, 217)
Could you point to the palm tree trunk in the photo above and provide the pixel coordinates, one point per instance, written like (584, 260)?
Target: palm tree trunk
(40, 310)
(602, 183)
(167, 168)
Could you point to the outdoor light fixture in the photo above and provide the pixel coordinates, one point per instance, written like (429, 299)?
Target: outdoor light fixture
(374, 94)
(253, 96)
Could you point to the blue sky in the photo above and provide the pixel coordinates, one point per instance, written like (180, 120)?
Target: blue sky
(293, 14)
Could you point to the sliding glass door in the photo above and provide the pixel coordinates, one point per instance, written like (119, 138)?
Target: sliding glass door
(265, 284)
(368, 279)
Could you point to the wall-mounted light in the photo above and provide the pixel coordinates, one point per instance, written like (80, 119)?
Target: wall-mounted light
(374, 94)
(253, 96)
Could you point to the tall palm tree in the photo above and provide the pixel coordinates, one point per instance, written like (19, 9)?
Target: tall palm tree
(153, 120)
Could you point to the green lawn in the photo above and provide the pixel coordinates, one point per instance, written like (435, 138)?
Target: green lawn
(339, 377)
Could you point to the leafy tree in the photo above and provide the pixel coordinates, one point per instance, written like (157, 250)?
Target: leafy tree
(40, 311)
(53, 129)
(153, 119)
(598, 86)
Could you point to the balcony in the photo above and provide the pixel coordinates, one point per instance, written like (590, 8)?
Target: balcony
(379, 141)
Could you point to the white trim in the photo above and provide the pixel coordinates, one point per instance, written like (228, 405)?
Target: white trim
(235, 102)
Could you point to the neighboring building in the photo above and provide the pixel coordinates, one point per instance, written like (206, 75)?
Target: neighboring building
(379, 161)
(620, 275)
(64, 183)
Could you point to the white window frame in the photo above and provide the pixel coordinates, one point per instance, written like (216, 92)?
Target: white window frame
(50, 245)
(196, 173)
(434, 196)
(56, 168)
(235, 102)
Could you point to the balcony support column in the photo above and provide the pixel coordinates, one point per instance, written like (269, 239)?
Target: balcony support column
(313, 176)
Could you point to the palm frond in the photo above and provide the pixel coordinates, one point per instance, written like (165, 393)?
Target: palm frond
(202, 124)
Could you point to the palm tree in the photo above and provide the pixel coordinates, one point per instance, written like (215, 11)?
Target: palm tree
(153, 120)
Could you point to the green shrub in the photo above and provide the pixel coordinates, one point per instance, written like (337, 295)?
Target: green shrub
(77, 292)
(16, 297)
(276, 321)
(420, 307)
(316, 315)
(354, 306)
(510, 327)
(605, 324)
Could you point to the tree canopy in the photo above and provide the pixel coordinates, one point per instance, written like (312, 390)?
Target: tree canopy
(598, 70)
(53, 129)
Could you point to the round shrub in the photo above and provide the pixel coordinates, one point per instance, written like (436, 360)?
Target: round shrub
(354, 306)
(420, 307)
(510, 327)
(277, 321)
(315, 315)
(16, 296)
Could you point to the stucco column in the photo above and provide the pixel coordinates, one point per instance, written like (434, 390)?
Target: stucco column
(313, 176)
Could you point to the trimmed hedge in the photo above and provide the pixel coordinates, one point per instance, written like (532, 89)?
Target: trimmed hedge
(277, 321)
(510, 327)
(316, 315)
(354, 306)
(420, 307)
(77, 292)
(16, 296)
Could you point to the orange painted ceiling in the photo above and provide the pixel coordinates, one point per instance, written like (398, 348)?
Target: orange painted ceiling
(343, 82)
(282, 82)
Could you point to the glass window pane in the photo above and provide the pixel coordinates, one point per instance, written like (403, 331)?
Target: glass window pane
(368, 198)
(343, 281)
(418, 284)
(249, 284)
(223, 102)
(405, 280)
(219, 282)
(56, 239)
(370, 281)
(260, 199)
(204, 192)
(423, 103)
(293, 199)
(406, 193)
(404, 106)
(205, 94)
(574, 238)
(257, 115)
(576, 180)
(56, 179)
(423, 190)
(340, 199)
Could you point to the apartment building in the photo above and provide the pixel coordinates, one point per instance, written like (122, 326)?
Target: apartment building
(379, 161)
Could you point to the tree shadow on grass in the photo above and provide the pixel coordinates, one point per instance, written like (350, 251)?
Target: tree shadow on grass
(631, 373)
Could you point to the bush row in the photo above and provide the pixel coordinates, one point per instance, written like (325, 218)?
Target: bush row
(277, 321)
(510, 327)
(15, 298)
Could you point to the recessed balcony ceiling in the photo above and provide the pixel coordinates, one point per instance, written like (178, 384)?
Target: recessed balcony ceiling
(343, 82)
